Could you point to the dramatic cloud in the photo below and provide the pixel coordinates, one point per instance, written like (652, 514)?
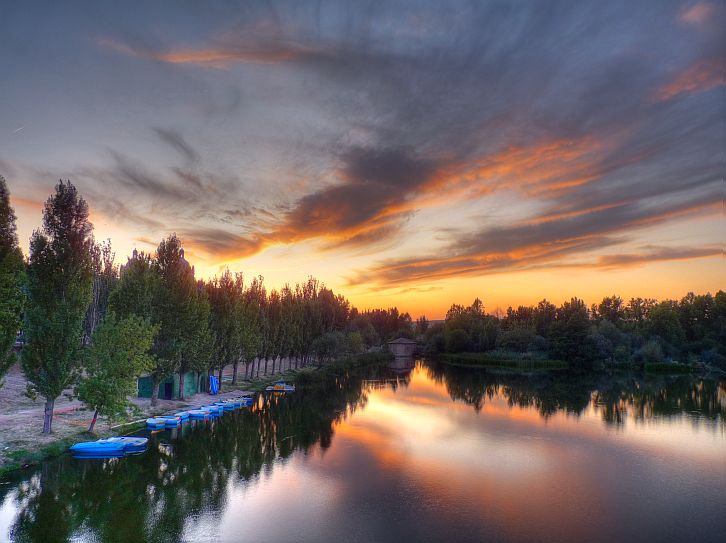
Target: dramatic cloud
(541, 242)
(437, 140)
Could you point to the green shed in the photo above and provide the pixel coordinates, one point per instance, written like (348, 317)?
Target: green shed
(194, 382)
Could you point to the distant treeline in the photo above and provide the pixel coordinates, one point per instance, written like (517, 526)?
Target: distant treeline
(691, 330)
(85, 321)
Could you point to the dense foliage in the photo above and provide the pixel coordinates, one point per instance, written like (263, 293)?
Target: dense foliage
(117, 355)
(691, 330)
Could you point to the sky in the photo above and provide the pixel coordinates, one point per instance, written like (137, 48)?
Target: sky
(415, 154)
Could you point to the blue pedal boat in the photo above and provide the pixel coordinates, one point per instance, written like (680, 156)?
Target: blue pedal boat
(214, 410)
(183, 415)
(226, 406)
(111, 447)
(94, 449)
(246, 401)
(130, 444)
(172, 421)
(156, 423)
(199, 414)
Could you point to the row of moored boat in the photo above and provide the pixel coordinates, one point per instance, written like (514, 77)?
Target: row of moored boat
(204, 412)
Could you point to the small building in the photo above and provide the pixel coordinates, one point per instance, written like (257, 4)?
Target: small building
(194, 382)
(402, 347)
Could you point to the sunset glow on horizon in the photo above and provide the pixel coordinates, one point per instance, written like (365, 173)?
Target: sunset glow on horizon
(409, 155)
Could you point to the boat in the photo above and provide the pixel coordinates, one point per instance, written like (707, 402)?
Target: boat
(280, 386)
(94, 449)
(246, 401)
(131, 444)
(111, 447)
(214, 410)
(156, 423)
(183, 415)
(172, 421)
(199, 414)
(226, 405)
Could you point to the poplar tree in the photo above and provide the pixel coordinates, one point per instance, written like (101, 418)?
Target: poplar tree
(59, 292)
(184, 311)
(11, 294)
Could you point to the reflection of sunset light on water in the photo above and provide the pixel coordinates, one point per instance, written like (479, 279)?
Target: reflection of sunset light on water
(507, 471)
(423, 421)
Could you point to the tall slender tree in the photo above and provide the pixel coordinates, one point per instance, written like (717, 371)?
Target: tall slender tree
(59, 291)
(11, 295)
(180, 307)
(105, 277)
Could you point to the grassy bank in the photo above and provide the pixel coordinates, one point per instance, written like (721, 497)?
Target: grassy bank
(486, 360)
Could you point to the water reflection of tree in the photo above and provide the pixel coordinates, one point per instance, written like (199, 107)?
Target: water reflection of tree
(612, 396)
(151, 497)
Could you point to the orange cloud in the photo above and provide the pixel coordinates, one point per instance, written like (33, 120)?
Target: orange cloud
(697, 14)
(554, 242)
(18, 201)
(704, 75)
(218, 56)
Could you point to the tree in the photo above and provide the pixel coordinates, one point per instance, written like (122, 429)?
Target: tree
(59, 292)
(569, 332)
(422, 324)
(457, 340)
(178, 309)
(612, 309)
(139, 292)
(105, 277)
(663, 322)
(226, 320)
(12, 298)
(117, 356)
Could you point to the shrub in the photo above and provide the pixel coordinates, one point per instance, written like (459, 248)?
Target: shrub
(457, 341)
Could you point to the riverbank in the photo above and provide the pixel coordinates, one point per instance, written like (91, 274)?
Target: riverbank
(486, 360)
(23, 445)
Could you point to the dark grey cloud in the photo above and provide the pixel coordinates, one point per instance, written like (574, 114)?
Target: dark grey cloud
(175, 140)
(363, 207)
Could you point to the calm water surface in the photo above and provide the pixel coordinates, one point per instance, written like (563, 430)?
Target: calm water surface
(429, 453)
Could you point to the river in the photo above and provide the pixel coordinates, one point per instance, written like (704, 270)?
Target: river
(415, 452)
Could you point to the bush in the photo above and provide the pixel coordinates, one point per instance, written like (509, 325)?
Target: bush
(650, 353)
(457, 341)
(517, 339)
